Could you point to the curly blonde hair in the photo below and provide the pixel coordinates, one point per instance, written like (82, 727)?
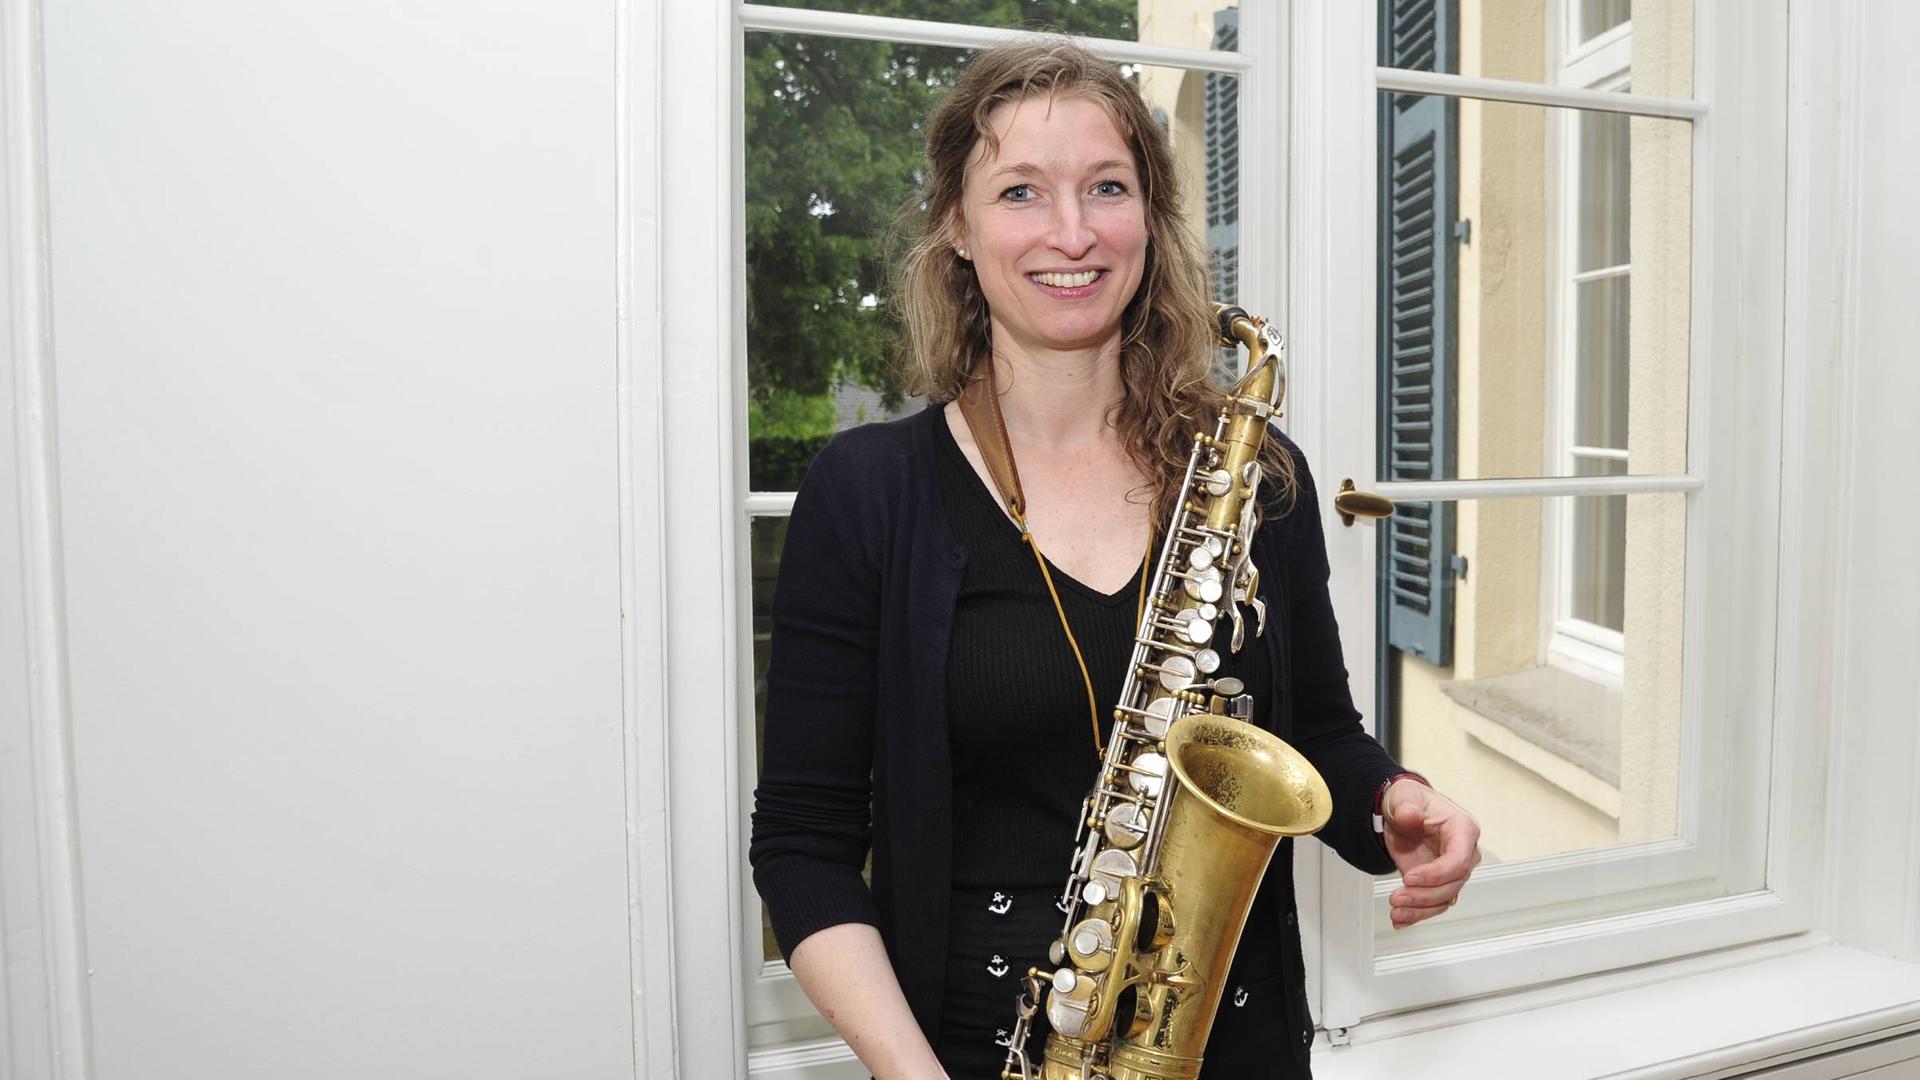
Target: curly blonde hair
(1168, 339)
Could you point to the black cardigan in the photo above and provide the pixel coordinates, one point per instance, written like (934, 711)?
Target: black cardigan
(856, 749)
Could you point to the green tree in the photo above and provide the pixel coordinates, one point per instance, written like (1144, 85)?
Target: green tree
(833, 133)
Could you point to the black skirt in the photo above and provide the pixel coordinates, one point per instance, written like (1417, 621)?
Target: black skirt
(997, 936)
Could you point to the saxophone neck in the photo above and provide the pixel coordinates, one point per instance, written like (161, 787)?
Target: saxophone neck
(1264, 387)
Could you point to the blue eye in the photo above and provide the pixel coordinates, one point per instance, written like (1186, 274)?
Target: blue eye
(1018, 193)
(1110, 187)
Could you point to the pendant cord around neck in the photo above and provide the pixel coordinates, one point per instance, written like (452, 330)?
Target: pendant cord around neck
(997, 450)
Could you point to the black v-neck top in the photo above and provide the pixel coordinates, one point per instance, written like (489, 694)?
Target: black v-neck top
(1021, 742)
(857, 756)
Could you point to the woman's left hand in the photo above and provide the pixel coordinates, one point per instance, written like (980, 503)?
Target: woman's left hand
(1435, 844)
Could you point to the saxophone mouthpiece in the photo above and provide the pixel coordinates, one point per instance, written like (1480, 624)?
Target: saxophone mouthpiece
(1224, 316)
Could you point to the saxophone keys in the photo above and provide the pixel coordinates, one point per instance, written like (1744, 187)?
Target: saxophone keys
(1208, 613)
(1070, 1010)
(1176, 673)
(1126, 823)
(1205, 586)
(1112, 868)
(1207, 660)
(1196, 629)
(1216, 482)
(1202, 556)
(1158, 716)
(1091, 945)
(1148, 773)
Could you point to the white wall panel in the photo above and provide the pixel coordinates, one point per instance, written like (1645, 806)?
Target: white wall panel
(333, 290)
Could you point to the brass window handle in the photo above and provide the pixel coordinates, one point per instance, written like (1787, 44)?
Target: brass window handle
(1351, 502)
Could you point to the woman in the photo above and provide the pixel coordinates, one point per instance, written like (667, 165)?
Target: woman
(928, 699)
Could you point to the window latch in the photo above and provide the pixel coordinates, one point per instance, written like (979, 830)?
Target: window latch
(1351, 502)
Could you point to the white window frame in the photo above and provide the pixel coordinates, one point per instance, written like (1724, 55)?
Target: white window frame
(1731, 487)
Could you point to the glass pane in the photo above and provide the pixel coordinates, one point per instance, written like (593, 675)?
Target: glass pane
(766, 537)
(1194, 26)
(1598, 570)
(1604, 162)
(1511, 328)
(1557, 739)
(1512, 39)
(1601, 367)
(1599, 16)
(833, 148)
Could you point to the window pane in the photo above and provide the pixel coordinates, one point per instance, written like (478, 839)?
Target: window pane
(833, 149)
(1598, 574)
(1512, 40)
(1601, 366)
(766, 536)
(1605, 235)
(1557, 741)
(1509, 331)
(1599, 16)
(1188, 25)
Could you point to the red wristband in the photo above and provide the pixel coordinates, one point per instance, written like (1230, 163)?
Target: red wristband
(1380, 799)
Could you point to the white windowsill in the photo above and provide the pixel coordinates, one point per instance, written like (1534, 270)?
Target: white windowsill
(1707, 1024)
(1703, 1018)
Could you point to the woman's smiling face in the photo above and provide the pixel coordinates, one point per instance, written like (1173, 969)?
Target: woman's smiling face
(1055, 224)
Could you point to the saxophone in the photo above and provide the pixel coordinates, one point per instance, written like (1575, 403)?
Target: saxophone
(1191, 799)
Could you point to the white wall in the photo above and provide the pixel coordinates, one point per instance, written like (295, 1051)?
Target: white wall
(333, 308)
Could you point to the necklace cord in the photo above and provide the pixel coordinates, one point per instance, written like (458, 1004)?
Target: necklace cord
(1006, 476)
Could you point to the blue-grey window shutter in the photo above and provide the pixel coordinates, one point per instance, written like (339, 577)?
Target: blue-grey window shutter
(1223, 165)
(1418, 309)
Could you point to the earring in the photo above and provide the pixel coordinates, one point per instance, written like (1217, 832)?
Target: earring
(960, 251)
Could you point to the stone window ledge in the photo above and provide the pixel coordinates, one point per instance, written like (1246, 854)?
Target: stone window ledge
(1552, 722)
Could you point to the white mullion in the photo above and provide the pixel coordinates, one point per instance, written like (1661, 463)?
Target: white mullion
(957, 36)
(1603, 273)
(768, 503)
(1332, 247)
(1528, 93)
(1543, 487)
(1601, 453)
